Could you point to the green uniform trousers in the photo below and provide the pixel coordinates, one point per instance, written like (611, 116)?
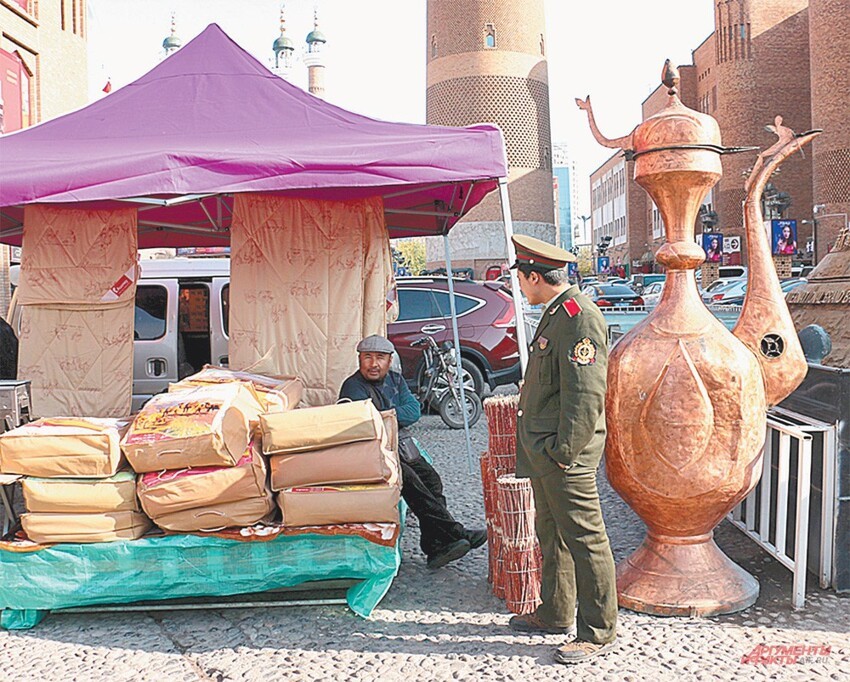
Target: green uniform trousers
(577, 562)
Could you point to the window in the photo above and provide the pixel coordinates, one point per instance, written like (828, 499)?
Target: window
(151, 310)
(542, 46)
(225, 308)
(463, 304)
(490, 35)
(416, 304)
(433, 46)
(193, 316)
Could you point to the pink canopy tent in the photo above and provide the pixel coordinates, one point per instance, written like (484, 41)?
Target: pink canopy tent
(210, 121)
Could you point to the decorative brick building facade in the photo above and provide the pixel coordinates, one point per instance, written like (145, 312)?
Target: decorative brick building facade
(43, 59)
(43, 72)
(765, 58)
(486, 62)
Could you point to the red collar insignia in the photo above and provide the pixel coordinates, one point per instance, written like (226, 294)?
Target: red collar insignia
(572, 307)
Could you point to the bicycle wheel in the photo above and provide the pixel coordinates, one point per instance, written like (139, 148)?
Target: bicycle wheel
(450, 409)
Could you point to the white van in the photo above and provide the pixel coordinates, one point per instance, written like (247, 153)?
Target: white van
(181, 320)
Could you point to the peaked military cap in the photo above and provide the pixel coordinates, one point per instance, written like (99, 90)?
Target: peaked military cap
(539, 255)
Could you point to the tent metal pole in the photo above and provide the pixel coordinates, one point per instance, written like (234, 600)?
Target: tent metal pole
(456, 335)
(522, 340)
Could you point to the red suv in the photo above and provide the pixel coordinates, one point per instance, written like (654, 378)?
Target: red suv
(486, 326)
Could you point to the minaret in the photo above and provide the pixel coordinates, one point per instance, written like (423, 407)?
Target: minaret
(172, 43)
(283, 48)
(314, 60)
(486, 62)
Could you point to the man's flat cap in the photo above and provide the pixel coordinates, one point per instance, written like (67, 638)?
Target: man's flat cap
(375, 344)
(539, 255)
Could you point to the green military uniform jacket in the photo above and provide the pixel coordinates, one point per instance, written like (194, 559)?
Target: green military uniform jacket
(561, 415)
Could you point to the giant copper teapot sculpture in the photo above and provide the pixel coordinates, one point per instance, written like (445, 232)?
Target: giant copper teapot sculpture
(687, 399)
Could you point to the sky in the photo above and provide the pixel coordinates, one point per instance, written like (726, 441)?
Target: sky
(612, 50)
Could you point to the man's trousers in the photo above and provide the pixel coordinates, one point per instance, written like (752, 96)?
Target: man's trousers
(578, 567)
(422, 489)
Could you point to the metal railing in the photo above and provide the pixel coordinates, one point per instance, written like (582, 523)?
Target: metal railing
(775, 513)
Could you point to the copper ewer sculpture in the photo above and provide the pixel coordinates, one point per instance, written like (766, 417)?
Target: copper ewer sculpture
(687, 399)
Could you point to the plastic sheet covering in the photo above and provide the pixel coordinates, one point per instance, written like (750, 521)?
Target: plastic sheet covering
(179, 566)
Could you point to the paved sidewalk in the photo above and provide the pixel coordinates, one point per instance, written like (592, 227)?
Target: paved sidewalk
(438, 625)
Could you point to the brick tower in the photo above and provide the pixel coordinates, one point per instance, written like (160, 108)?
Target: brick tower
(829, 27)
(486, 62)
(761, 52)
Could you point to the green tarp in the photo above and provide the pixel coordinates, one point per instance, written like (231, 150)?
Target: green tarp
(179, 566)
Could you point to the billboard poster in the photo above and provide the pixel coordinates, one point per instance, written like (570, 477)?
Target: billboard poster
(572, 270)
(603, 265)
(712, 244)
(784, 237)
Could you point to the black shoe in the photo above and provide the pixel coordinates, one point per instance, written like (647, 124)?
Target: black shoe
(533, 624)
(579, 650)
(449, 553)
(476, 537)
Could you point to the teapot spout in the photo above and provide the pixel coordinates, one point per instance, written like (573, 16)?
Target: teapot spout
(765, 325)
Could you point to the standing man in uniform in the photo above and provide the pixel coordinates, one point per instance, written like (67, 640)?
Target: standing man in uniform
(560, 439)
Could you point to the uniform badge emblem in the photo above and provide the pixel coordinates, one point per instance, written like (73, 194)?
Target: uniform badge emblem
(542, 343)
(572, 307)
(584, 352)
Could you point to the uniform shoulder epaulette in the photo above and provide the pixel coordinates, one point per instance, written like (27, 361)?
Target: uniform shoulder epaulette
(572, 307)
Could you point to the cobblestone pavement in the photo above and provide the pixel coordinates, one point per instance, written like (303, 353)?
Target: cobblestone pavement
(438, 625)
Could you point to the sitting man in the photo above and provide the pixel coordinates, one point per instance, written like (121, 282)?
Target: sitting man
(442, 539)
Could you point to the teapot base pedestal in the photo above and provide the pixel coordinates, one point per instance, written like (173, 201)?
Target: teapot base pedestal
(673, 576)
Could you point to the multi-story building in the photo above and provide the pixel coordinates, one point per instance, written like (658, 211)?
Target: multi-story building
(566, 196)
(765, 58)
(43, 60)
(486, 62)
(43, 72)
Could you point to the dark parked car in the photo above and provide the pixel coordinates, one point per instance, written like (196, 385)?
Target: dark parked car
(486, 325)
(613, 295)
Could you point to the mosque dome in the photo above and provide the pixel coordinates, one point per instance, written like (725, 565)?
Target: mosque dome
(316, 36)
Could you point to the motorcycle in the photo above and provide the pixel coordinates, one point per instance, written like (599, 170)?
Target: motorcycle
(440, 386)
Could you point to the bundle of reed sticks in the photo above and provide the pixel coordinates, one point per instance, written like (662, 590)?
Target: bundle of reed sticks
(521, 560)
(501, 427)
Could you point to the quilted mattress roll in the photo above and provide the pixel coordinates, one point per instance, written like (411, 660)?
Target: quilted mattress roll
(316, 428)
(325, 505)
(64, 447)
(84, 495)
(107, 527)
(204, 426)
(276, 394)
(367, 461)
(207, 498)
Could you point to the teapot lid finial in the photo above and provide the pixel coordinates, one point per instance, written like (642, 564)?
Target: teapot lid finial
(670, 77)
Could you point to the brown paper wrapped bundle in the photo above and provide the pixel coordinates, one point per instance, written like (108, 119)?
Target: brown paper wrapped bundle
(317, 428)
(81, 495)
(276, 394)
(64, 447)
(365, 461)
(198, 427)
(208, 498)
(84, 528)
